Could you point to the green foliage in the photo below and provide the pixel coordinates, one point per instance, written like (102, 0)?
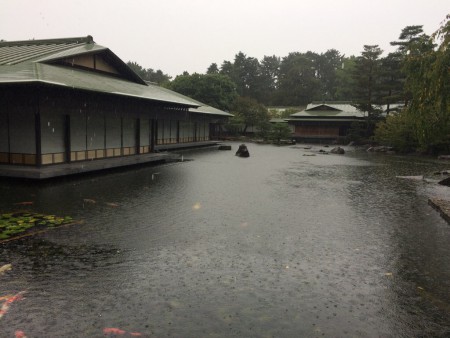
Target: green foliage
(326, 65)
(264, 130)
(235, 125)
(392, 79)
(213, 69)
(267, 85)
(14, 224)
(298, 84)
(245, 75)
(250, 112)
(216, 90)
(345, 82)
(366, 75)
(357, 133)
(397, 131)
(149, 74)
(428, 80)
(280, 131)
(425, 124)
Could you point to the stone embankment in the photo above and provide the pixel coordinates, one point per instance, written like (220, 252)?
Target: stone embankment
(443, 206)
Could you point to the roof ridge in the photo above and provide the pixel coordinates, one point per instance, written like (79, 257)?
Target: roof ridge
(330, 102)
(85, 39)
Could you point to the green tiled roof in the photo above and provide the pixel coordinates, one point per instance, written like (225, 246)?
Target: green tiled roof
(35, 61)
(15, 52)
(336, 110)
(86, 80)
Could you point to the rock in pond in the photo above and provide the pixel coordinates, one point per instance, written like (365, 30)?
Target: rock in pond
(445, 181)
(337, 150)
(242, 151)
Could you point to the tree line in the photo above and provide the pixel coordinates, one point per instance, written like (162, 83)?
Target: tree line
(415, 74)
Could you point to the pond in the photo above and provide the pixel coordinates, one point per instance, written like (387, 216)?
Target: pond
(286, 243)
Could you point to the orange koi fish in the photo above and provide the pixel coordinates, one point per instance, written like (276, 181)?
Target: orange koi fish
(20, 334)
(5, 297)
(116, 331)
(113, 330)
(7, 304)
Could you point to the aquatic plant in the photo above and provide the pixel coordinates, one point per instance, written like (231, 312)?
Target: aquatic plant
(19, 223)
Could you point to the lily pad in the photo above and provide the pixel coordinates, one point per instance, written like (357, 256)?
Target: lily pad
(19, 224)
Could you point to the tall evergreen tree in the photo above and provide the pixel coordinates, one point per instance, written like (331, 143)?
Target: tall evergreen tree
(245, 75)
(298, 83)
(367, 84)
(345, 81)
(268, 79)
(213, 69)
(392, 80)
(327, 64)
(411, 44)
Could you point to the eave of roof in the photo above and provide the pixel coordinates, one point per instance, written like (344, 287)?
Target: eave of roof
(87, 80)
(314, 119)
(205, 109)
(201, 107)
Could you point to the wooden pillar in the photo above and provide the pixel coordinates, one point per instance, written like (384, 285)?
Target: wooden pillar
(67, 138)
(37, 130)
(153, 135)
(121, 136)
(138, 136)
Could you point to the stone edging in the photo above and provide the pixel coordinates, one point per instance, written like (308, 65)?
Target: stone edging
(441, 205)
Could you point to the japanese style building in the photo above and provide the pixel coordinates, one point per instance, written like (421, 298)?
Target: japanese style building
(324, 122)
(70, 106)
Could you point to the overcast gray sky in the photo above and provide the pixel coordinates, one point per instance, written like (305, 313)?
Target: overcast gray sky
(189, 35)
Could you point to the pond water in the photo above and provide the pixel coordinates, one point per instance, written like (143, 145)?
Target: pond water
(276, 245)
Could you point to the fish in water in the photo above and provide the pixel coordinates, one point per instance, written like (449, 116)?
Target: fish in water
(5, 268)
(7, 304)
(113, 330)
(20, 334)
(117, 331)
(2, 298)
